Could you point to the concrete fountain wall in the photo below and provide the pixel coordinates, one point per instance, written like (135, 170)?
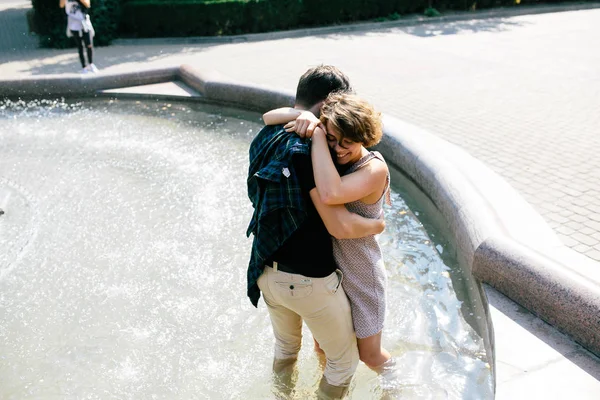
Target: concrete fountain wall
(499, 237)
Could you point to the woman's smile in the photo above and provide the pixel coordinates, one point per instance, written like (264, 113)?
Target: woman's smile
(341, 155)
(345, 150)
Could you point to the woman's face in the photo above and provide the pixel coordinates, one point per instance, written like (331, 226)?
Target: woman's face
(344, 150)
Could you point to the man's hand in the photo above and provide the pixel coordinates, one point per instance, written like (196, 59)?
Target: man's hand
(304, 125)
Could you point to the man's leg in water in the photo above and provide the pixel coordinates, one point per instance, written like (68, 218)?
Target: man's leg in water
(323, 305)
(287, 329)
(331, 326)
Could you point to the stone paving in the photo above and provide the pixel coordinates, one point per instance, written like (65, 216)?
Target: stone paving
(519, 92)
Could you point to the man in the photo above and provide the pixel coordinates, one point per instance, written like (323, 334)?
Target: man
(292, 258)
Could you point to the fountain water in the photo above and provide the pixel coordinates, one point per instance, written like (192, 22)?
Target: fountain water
(122, 273)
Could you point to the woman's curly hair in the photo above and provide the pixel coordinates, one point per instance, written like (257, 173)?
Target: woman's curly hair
(353, 117)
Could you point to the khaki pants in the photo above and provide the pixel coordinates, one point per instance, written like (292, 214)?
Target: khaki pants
(323, 305)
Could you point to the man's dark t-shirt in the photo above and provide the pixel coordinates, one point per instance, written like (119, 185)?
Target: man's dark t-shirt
(309, 250)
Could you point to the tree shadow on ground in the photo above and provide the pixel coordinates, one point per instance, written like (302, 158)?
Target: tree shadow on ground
(424, 28)
(143, 51)
(14, 31)
(18, 45)
(459, 27)
(51, 61)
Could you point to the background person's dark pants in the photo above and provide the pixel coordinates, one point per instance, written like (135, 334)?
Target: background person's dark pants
(83, 38)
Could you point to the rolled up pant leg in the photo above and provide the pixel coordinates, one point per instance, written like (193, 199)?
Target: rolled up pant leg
(287, 324)
(287, 329)
(323, 305)
(331, 325)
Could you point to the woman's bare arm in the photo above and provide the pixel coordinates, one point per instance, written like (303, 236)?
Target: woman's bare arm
(304, 125)
(334, 189)
(62, 3)
(342, 224)
(86, 3)
(281, 115)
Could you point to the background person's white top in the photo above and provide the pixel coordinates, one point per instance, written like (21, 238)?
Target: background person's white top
(75, 15)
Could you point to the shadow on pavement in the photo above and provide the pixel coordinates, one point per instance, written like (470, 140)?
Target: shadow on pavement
(17, 45)
(548, 334)
(14, 32)
(52, 61)
(470, 26)
(421, 28)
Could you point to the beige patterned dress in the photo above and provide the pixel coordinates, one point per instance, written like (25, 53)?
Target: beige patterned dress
(361, 262)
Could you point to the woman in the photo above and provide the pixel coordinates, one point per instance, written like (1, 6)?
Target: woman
(350, 126)
(80, 28)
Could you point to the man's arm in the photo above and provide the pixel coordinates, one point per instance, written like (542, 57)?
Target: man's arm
(342, 224)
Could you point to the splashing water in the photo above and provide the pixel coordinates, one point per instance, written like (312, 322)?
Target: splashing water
(123, 265)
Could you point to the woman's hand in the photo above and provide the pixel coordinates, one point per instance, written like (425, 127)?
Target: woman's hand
(380, 223)
(304, 125)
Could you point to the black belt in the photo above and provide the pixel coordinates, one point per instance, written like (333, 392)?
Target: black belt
(282, 267)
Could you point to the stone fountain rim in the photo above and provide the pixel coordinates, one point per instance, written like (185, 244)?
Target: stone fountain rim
(500, 238)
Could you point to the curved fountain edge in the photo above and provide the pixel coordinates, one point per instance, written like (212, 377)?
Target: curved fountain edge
(499, 236)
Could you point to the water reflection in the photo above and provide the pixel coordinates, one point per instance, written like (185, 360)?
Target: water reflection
(122, 273)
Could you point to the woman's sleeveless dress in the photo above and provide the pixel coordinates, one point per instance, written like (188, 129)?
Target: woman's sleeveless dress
(361, 262)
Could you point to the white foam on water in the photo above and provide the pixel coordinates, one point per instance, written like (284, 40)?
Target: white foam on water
(134, 279)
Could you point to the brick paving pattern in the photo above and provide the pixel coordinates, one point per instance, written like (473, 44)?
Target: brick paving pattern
(520, 93)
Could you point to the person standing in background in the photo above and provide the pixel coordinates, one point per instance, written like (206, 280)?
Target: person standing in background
(80, 28)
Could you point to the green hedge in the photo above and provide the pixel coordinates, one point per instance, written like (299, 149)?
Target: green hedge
(50, 22)
(156, 18)
(462, 5)
(152, 18)
(318, 12)
(162, 18)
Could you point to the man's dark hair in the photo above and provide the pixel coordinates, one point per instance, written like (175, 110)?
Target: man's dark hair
(316, 84)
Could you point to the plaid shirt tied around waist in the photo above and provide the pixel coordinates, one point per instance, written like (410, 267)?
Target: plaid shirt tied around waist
(276, 195)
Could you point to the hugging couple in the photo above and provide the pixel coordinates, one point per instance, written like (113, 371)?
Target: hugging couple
(318, 195)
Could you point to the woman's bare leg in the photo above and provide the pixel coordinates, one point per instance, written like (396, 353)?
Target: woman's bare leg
(318, 348)
(320, 355)
(371, 352)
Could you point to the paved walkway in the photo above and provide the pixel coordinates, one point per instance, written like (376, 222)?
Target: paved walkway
(521, 93)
